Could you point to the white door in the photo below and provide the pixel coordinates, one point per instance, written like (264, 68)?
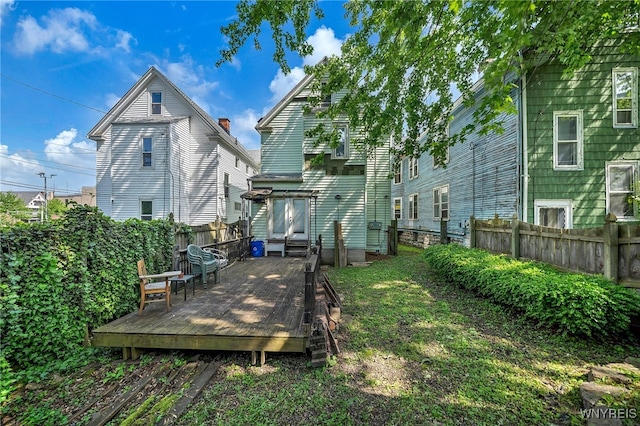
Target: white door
(288, 217)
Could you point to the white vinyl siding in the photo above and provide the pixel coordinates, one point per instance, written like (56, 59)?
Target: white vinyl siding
(621, 177)
(567, 140)
(625, 97)
(554, 213)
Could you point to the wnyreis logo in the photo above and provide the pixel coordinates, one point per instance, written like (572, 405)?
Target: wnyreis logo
(609, 413)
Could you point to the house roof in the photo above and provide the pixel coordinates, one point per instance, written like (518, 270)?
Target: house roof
(97, 132)
(263, 123)
(262, 193)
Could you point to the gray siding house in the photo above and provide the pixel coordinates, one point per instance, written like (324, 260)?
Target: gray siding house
(160, 153)
(481, 178)
(297, 200)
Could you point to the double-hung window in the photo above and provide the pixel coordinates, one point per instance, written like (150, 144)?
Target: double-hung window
(413, 207)
(226, 185)
(156, 103)
(146, 210)
(342, 149)
(553, 213)
(413, 168)
(397, 208)
(441, 202)
(567, 140)
(397, 172)
(625, 97)
(621, 177)
(147, 151)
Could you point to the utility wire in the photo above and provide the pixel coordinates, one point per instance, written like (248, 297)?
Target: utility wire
(37, 163)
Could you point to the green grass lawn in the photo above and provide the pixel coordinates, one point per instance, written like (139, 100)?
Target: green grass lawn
(415, 351)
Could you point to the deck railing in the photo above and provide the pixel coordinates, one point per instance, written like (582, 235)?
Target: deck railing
(238, 248)
(311, 273)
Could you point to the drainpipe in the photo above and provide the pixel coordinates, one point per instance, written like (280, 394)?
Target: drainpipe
(525, 151)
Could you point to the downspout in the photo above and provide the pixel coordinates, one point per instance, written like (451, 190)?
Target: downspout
(525, 151)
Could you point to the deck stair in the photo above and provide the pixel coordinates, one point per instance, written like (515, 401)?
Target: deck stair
(296, 248)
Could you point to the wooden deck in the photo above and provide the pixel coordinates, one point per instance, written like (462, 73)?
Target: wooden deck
(257, 306)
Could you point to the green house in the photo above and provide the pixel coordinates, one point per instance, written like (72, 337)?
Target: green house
(295, 199)
(582, 141)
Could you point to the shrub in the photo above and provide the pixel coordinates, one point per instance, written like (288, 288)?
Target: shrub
(573, 303)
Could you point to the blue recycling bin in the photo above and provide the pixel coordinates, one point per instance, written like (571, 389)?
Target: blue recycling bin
(257, 248)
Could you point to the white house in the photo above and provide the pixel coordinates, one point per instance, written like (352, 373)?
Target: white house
(159, 153)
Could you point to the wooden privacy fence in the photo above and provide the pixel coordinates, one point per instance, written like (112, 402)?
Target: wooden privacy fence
(612, 250)
(209, 233)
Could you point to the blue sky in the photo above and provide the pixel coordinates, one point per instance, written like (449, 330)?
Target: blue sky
(65, 64)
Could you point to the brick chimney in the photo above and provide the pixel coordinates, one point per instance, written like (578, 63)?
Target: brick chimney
(226, 123)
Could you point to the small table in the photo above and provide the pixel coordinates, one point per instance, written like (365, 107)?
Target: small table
(184, 279)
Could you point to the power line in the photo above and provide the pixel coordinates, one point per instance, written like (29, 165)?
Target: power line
(37, 163)
(38, 187)
(51, 94)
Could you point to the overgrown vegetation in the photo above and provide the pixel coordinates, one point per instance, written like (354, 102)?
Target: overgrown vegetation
(579, 304)
(61, 278)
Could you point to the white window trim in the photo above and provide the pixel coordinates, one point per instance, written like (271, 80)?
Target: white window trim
(634, 98)
(142, 152)
(414, 168)
(140, 207)
(393, 208)
(634, 166)
(411, 207)
(580, 141)
(346, 142)
(237, 163)
(553, 204)
(151, 92)
(439, 189)
(399, 170)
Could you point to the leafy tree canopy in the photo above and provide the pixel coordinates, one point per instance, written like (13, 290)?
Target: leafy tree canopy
(12, 209)
(406, 61)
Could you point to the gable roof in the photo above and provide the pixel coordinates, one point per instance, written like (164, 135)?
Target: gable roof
(97, 132)
(263, 123)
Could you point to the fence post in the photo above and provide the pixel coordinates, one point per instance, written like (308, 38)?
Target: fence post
(472, 232)
(611, 247)
(515, 237)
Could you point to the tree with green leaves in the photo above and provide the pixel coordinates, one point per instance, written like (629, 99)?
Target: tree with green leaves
(55, 207)
(12, 209)
(406, 62)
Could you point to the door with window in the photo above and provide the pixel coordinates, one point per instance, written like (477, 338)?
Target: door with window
(288, 217)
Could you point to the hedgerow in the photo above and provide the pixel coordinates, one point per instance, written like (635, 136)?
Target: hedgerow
(577, 304)
(60, 279)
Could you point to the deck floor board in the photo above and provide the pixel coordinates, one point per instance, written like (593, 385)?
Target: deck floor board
(257, 303)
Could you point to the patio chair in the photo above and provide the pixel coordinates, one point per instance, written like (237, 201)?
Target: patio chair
(152, 289)
(202, 262)
(221, 258)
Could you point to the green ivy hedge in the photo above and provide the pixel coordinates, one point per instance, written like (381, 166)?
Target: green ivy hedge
(573, 303)
(62, 278)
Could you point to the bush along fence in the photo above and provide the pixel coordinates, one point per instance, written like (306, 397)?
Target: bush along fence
(612, 250)
(576, 304)
(60, 279)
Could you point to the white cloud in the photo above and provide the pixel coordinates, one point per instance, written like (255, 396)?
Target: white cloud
(124, 39)
(62, 30)
(111, 99)
(66, 150)
(324, 43)
(243, 127)
(6, 6)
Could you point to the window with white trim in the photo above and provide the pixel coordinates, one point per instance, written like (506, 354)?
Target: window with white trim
(147, 151)
(413, 207)
(625, 97)
(237, 163)
(445, 160)
(553, 213)
(620, 178)
(146, 210)
(397, 208)
(342, 150)
(226, 185)
(397, 172)
(156, 103)
(441, 202)
(413, 168)
(567, 140)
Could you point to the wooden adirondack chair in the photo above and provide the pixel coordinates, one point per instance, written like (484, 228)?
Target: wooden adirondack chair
(152, 288)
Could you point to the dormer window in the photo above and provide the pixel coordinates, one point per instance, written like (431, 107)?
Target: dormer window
(156, 103)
